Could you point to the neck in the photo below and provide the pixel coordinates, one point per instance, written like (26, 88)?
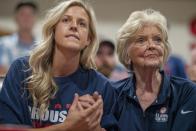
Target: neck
(65, 64)
(25, 36)
(148, 80)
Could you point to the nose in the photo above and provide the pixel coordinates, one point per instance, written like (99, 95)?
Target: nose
(151, 44)
(73, 25)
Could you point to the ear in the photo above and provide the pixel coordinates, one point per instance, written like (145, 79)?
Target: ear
(88, 41)
(127, 61)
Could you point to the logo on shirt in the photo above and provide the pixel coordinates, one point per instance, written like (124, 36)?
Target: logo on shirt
(163, 110)
(55, 115)
(185, 112)
(161, 115)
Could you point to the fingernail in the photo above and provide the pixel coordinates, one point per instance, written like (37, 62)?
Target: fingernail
(76, 94)
(96, 92)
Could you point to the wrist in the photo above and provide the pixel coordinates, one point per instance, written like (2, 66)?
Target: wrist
(66, 126)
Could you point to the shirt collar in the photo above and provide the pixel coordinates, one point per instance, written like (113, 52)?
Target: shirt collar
(164, 94)
(165, 90)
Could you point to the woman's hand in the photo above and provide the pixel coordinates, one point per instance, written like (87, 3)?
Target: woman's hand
(85, 113)
(87, 101)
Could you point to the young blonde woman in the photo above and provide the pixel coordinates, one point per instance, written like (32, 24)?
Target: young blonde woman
(57, 85)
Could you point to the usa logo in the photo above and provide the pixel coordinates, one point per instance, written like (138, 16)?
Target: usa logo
(161, 115)
(163, 110)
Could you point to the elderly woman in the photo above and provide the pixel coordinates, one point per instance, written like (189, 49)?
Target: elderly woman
(150, 100)
(57, 85)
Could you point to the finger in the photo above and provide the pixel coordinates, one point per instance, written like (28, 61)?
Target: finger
(85, 105)
(75, 101)
(87, 98)
(95, 126)
(98, 115)
(95, 95)
(93, 108)
(102, 129)
(95, 116)
(79, 106)
(101, 112)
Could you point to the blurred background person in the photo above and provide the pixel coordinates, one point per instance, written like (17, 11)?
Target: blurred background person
(192, 67)
(1, 82)
(106, 61)
(176, 66)
(21, 42)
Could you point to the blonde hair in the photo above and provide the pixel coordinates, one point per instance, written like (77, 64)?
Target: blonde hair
(41, 84)
(136, 21)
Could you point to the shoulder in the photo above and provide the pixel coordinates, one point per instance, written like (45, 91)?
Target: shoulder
(95, 75)
(9, 39)
(16, 75)
(99, 81)
(21, 62)
(19, 67)
(183, 89)
(182, 84)
(122, 85)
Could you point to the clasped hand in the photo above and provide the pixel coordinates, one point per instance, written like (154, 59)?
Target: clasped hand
(85, 113)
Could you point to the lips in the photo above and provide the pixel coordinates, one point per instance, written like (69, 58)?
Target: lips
(72, 36)
(151, 55)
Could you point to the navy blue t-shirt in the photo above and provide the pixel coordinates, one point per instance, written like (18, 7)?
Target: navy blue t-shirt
(173, 110)
(16, 105)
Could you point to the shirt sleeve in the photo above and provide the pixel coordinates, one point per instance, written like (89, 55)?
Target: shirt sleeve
(13, 98)
(108, 120)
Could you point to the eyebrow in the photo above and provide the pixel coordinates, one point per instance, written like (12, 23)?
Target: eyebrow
(142, 35)
(80, 18)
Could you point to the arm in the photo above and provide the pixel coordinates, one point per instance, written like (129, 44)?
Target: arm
(79, 118)
(13, 97)
(14, 101)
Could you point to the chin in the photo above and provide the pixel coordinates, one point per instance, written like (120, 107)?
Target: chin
(72, 46)
(152, 64)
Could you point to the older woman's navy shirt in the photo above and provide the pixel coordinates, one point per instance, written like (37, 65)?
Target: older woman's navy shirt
(173, 110)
